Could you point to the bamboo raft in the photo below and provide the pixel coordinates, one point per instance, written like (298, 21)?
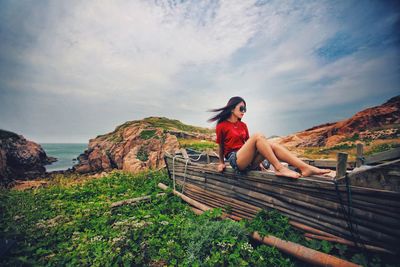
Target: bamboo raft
(359, 207)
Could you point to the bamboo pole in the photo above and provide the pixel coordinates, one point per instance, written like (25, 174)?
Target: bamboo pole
(310, 229)
(321, 212)
(303, 253)
(328, 224)
(326, 185)
(133, 200)
(387, 206)
(349, 243)
(293, 223)
(267, 201)
(360, 158)
(297, 225)
(296, 250)
(261, 187)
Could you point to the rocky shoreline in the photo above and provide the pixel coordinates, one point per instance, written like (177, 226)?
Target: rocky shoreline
(21, 158)
(140, 145)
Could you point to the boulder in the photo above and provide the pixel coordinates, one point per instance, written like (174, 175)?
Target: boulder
(137, 145)
(20, 159)
(380, 122)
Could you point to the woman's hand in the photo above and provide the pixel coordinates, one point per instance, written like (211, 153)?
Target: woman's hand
(221, 167)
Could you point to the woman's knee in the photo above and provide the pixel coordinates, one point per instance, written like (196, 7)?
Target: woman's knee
(258, 136)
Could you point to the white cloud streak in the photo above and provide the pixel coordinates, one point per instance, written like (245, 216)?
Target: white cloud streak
(178, 60)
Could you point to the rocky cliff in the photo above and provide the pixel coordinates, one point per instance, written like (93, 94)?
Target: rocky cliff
(380, 122)
(20, 158)
(137, 145)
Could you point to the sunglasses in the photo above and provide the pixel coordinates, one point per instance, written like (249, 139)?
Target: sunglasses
(242, 109)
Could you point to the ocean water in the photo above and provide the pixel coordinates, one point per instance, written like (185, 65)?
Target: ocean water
(65, 153)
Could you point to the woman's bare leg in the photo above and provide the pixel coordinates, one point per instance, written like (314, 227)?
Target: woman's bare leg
(257, 148)
(285, 155)
(258, 143)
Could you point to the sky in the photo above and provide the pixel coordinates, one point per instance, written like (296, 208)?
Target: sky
(72, 70)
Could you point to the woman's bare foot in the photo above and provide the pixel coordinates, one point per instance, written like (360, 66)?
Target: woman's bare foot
(311, 170)
(287, 172)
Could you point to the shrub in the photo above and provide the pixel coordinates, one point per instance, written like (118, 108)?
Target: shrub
(147, 134)
(142, 154)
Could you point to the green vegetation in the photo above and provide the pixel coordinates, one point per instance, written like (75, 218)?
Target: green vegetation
(354, 138)
(168, 124)
(329, 152)
(153, 122)
(343, 146)
(142, 154)
(124, 125)
(380, 148)
(199, 145)
(115, 138)
(147, 134)
(72, 224)
(370, 147)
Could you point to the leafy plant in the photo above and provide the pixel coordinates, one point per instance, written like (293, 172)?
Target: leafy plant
(142, 154)
(147, 134)
(199, 145)
(70, 222)
(380, 148)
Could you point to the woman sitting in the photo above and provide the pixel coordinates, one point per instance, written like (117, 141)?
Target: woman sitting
(246, 152)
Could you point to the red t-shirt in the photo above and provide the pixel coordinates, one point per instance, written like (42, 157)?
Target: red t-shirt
(233, 135)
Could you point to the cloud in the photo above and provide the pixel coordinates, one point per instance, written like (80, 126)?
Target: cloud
(124, 60)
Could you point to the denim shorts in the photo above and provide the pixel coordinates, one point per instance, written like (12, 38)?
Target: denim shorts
(231, 157)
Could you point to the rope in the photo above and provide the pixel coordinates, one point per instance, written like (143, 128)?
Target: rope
(184, 173)
(362, 159)
(349, 200)
(198, 157)
(173, 171)
(348, 215)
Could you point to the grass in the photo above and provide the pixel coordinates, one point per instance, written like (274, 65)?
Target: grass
(70, 222)
(147, 134)
(168, 124)
(377, 148)
(142, 154)
(199, 145)
(349, 147)
(153, 122)
(115, 137)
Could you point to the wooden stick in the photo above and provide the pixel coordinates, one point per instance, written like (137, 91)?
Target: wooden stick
(303, 253)
(341, 165)
(133, 200)
(385, 155)
(360, 158)
(185, 198)
(287, 203)
(296, 250)
(347, 242)
(372, 208)
(272, 202)
(309, 229)
(293, 223)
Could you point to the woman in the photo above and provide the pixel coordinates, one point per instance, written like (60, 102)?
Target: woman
(246, 152)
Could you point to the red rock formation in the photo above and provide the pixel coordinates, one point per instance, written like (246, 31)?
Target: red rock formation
(134, 146)
(376, 122)
(20, 158)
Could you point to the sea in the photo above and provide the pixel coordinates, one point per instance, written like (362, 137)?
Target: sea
(66, 155)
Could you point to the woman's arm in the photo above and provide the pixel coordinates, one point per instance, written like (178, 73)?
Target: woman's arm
(221, 165)
(221, 154)
(220, 141)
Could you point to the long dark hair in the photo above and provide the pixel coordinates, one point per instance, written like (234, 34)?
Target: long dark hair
(225, 112)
